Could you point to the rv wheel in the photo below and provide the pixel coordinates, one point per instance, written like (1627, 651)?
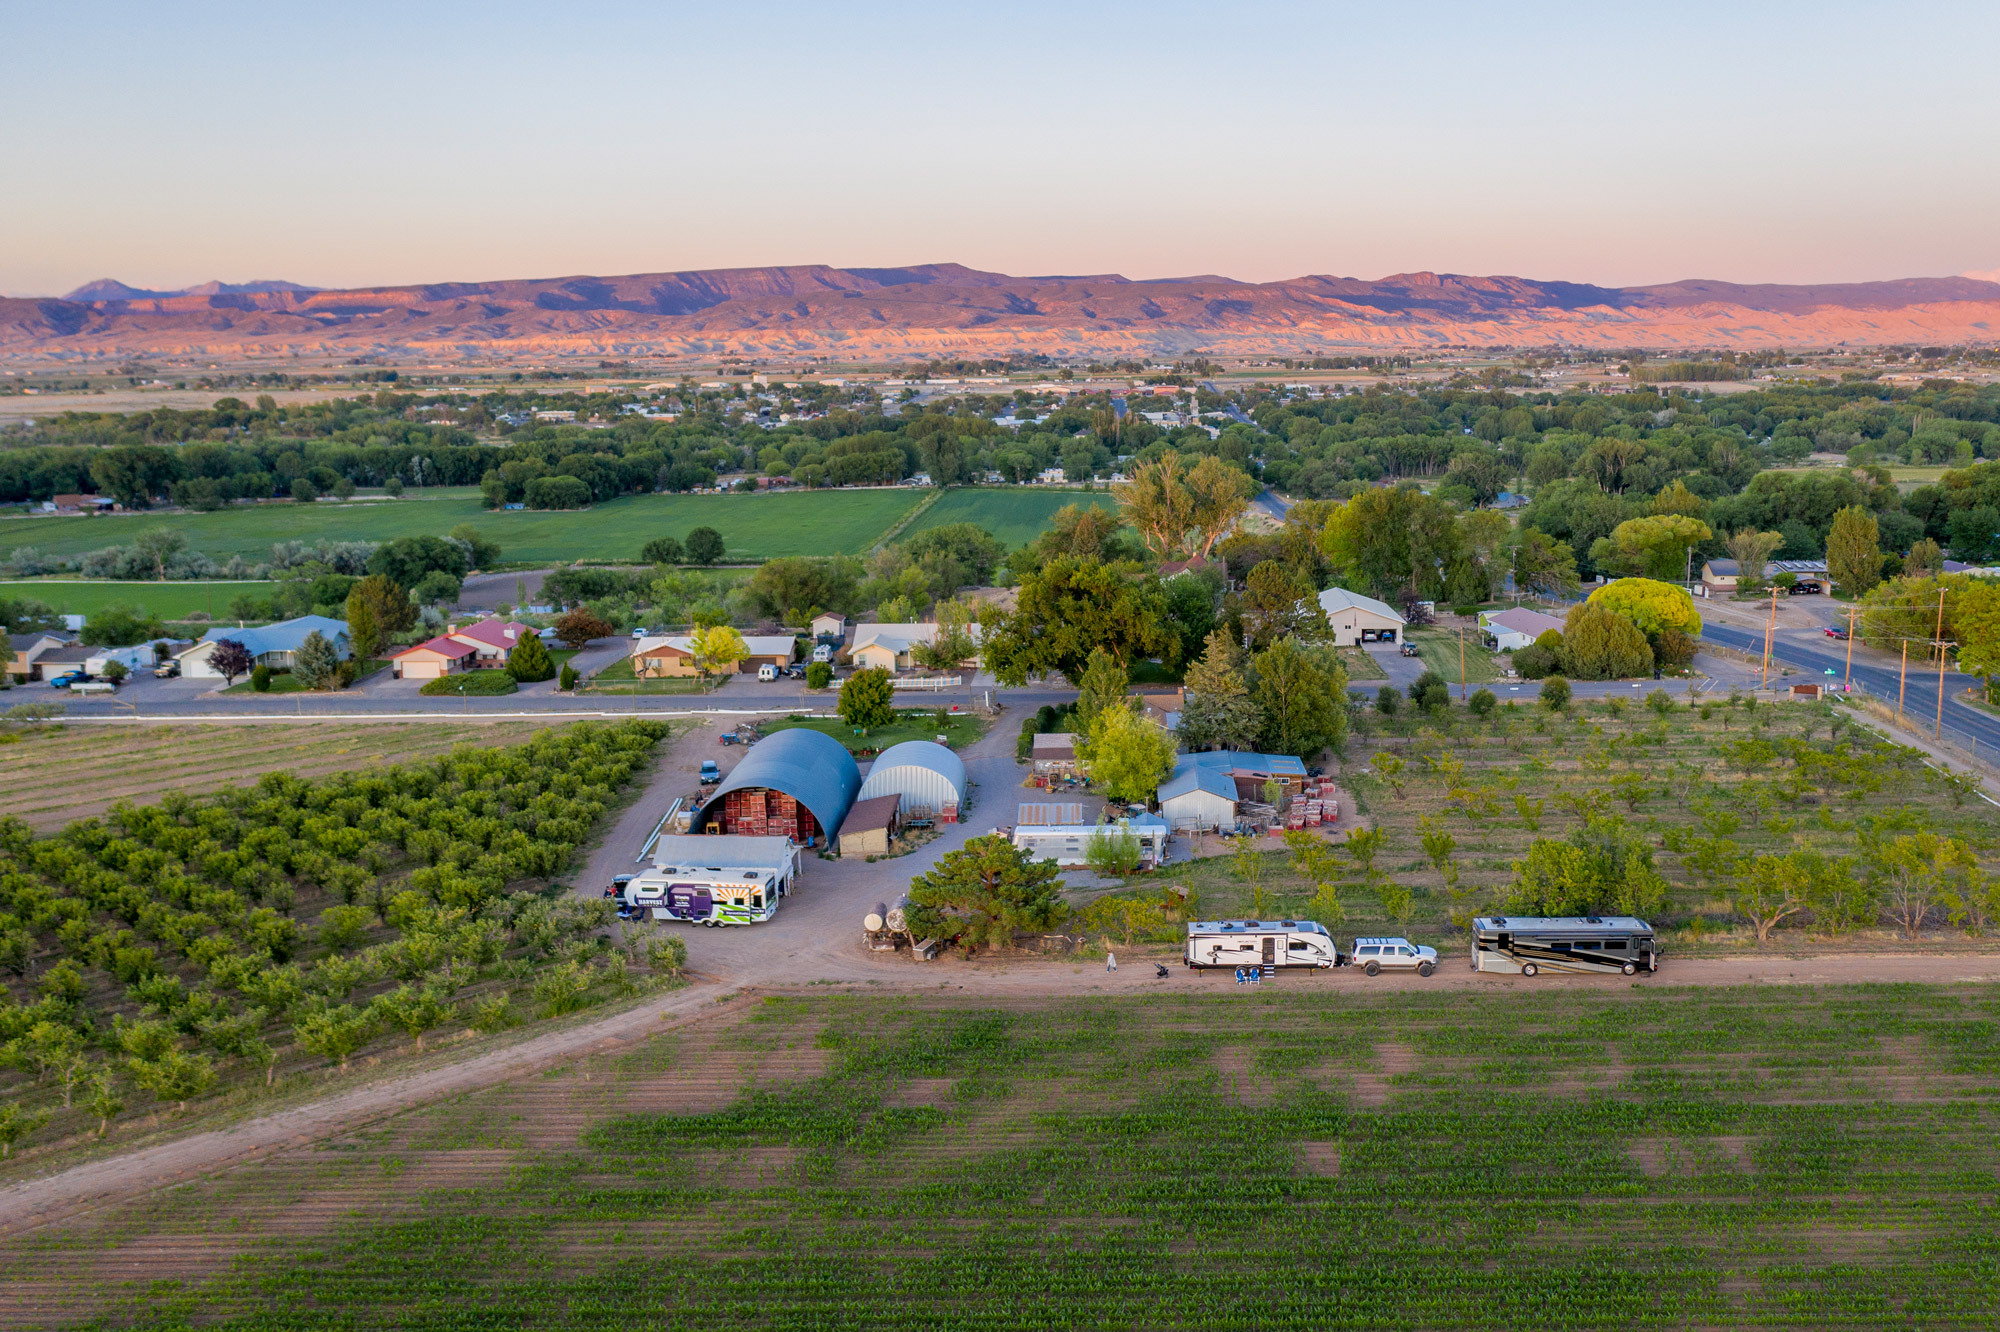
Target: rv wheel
(1529, 968)
(1425, 968)
(1372, 968)
(1629, 968)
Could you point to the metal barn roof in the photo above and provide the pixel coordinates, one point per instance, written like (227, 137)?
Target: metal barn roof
(810, 766)
(924, 770)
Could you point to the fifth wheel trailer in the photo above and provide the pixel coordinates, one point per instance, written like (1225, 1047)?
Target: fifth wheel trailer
(1256, 943)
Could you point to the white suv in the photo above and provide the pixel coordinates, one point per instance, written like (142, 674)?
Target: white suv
(1377, 955)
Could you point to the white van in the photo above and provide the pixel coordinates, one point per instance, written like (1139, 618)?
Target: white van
(767, 673)
(823, 652)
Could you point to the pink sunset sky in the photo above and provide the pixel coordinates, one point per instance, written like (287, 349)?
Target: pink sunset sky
(367, 143)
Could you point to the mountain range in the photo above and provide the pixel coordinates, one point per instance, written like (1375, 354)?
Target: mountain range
(939, 309)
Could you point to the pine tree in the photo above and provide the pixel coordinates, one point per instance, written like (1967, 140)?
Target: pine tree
(316, 661)
(1219, 713)
(529, 660)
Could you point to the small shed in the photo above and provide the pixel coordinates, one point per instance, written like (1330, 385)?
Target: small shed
(1719, 578)
(927, 775)
(829, 628)
(871, 826)
(1055, 753)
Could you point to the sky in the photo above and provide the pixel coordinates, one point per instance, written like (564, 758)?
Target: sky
(365, 143)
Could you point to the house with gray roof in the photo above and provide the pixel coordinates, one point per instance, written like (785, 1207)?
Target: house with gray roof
(272, 645)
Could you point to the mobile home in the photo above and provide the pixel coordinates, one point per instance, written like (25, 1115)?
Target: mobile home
(1530, 945)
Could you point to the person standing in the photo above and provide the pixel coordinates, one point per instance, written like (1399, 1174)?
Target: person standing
(1110, 960)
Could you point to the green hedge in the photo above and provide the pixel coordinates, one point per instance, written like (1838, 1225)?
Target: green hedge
(472, 682)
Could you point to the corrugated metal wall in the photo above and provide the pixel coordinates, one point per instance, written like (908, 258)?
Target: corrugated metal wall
(917, 785)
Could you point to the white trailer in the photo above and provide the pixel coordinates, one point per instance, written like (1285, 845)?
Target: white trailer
(1069, 844)
(715, 880)
(1260, 943)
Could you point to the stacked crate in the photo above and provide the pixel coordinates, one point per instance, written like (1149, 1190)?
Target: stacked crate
(744, 813)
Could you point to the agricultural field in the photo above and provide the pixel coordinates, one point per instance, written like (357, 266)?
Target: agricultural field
(1607, 1157)
(196, 953)
(1711, 797)
(753, 527)
(1015, 514)
(51, 775)
(169, 601)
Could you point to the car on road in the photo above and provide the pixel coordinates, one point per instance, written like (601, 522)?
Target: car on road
(1374, 956)
(1835, 631)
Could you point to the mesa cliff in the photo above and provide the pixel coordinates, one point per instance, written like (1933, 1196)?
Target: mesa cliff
(935, 309)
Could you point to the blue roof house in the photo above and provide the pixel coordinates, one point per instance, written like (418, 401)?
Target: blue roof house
(269, 645)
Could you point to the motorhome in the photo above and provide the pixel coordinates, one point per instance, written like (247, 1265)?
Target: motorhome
(1530, 945)
(1260, 943)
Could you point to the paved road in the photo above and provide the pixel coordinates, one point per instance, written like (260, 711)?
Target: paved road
(1873, 672)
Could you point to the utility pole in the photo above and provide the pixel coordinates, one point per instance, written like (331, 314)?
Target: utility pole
(1847, 683)
(1937, 732)
(1461, 663)
(1902, 679)
(1770, 632)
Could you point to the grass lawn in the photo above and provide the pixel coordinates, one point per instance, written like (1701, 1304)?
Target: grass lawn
(56, 774)
(169, 601)
(1015, 514)
(753, 527)
(1440, 652)
(1200, 1156)
(1361, 665)
(960, 729)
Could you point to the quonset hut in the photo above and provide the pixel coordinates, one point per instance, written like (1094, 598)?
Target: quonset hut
(796, 783)
(924, 773)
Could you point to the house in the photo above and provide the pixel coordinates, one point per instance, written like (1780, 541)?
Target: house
(871, 825)
(887, 646)
(829, 627)
(80, 504)
(1358, 619)
(664, 656)
(1249, 771)
(1069, 844)
(433, 659)
(270, 645)
(1162, 707)
(1054, 754)
(1175, 568)
(28, 650)
(68, 657)
(1507, 499)
(1052, 476)
(1512, 630)
(1805, 573)
(1719, 578)
(139, 657)
(491, 639)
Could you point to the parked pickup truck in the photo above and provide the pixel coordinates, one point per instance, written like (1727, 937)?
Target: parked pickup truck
(68, 679)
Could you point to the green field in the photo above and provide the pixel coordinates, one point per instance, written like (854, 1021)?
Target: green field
(753, 527)
(1500, 1157)
(1015, 514)
(169, 601)
(1440, 650)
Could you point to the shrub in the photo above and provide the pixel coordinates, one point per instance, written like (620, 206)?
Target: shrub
(1482, 702)
(663, 550)
(1387, 701)
(260, 678)
(867, 699)
(1555, 693)
(1534, 661)
(557, 492)
(474, 683)
(567, 681)
(819, 675)
(1429, 691)
(1601, 644)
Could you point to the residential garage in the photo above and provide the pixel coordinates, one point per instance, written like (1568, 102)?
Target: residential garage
(796, 783)
(1358, 619)
(927, 775)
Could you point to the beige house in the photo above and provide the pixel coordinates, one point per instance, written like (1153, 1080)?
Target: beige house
(888, 646)
(1358, 619)
(667, 656)
(27, 650)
